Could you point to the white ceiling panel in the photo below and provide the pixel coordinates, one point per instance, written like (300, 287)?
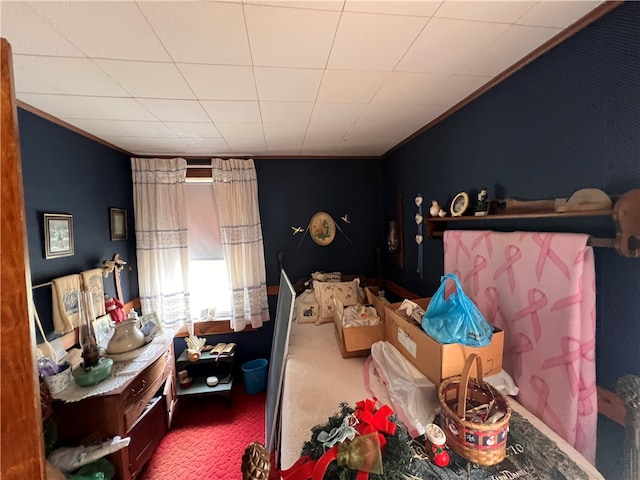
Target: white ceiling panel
(147, 79)
(104, 29)
(220, 82)
(175, 110)
(232, 112)
(267, 77)
(287, 84)
(493, 11)
(462, 40)
(194, 129)
(373, 42)
(350, 86)
(73, 76)
(200, 32)
(40, 38)
(290, 37)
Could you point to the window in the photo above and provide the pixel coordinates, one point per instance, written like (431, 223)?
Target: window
(208, 278)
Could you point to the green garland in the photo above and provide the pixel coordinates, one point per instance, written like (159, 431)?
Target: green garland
(396, 454)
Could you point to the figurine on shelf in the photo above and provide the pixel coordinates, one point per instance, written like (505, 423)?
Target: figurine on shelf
(434, 209)
(482, 207)
(442, 213)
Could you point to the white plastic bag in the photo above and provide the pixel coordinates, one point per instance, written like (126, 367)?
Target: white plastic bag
(394, 380)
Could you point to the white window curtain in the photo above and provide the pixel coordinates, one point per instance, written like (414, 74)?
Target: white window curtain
(235, 188)
(161, 237)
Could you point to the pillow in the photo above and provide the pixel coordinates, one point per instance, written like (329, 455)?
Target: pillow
(305, 309)
(346, 292)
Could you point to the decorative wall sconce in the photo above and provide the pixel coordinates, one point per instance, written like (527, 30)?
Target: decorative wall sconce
(393, 243)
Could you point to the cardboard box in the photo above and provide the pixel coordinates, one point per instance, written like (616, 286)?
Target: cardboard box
(436, 360)
(355, 341)
(374, 298)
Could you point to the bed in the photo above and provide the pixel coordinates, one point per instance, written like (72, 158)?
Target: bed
(317, 379)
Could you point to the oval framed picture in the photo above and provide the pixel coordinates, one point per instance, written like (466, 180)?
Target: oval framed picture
(459, 204)
(322, 228)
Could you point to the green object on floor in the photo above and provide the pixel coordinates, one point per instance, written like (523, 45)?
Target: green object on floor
(101, 469)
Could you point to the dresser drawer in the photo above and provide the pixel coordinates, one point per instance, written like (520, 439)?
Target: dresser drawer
(142, 389)
(146, 435)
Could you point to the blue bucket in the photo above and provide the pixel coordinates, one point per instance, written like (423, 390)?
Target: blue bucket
(254, 373)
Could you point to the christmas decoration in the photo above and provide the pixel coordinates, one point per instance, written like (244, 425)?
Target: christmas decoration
(255, 462)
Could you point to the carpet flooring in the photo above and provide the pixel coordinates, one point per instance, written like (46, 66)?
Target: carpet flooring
(207, 438)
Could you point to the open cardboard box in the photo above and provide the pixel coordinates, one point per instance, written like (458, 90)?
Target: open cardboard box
(374, 298)
(436, 360)
(355, 341)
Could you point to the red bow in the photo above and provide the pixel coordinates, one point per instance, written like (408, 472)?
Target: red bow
(370, 421)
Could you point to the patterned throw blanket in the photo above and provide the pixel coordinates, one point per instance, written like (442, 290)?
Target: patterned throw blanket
(530, 455)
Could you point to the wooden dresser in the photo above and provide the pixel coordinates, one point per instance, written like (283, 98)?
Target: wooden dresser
(141, 409)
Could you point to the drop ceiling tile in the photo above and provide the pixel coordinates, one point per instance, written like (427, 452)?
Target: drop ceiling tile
(175, 110)
(514, 44)
(150, 145)
(104, 29)
(290, 37)
(557, 14)
(247, 145)
(200, 32)
(485, 11)
(208, 144)
(325, 132)
(405, 88)
(339, 113)
(26, 82)
(147, 79)
(287, 84)
(220, 82)
(194, 129)
(69, 107)
(286, 112)
(333, 5)
(349, 86)
(221, 111)
(28, 33)
(373, 42)
(245, 130)
(122, 128)
(446, 46)
(74, 76)
(423, 8)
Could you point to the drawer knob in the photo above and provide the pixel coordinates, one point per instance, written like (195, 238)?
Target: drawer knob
(137, 392)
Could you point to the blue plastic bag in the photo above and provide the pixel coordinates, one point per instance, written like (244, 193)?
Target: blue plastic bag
(456, 319)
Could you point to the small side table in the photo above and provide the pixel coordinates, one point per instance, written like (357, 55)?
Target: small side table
(209, 364)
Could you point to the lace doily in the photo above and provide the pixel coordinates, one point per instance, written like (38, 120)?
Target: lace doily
(121, 372)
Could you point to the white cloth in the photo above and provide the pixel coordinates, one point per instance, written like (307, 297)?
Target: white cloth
(235, 188)
(92, 282)
(65, 296)
(161, 237)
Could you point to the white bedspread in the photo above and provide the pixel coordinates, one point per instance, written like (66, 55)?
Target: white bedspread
(316, 380)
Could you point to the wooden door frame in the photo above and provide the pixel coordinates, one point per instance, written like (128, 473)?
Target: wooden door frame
(21, 439)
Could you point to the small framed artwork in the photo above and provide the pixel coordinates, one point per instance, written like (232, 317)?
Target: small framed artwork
(118, 223)
(58, 235)
(150, 325)
(322, 228)
(102, 330)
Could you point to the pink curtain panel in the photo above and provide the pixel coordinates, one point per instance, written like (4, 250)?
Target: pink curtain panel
(540, 289)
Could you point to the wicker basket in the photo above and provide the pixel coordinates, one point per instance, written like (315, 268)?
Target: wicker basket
(461, 402)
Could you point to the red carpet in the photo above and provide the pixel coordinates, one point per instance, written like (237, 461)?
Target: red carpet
(208, 438)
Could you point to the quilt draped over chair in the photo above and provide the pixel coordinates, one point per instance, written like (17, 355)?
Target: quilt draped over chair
(161, 237)
(235, 189)
(540, 289)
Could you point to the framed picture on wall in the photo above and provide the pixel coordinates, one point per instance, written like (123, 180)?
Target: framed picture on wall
(118, 218)
(58, 235)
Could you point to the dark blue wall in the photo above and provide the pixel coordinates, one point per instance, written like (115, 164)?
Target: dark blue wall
(568, 120)
(64, 172)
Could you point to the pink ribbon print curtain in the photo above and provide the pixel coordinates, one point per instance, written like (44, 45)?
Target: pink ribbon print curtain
(540, 289)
